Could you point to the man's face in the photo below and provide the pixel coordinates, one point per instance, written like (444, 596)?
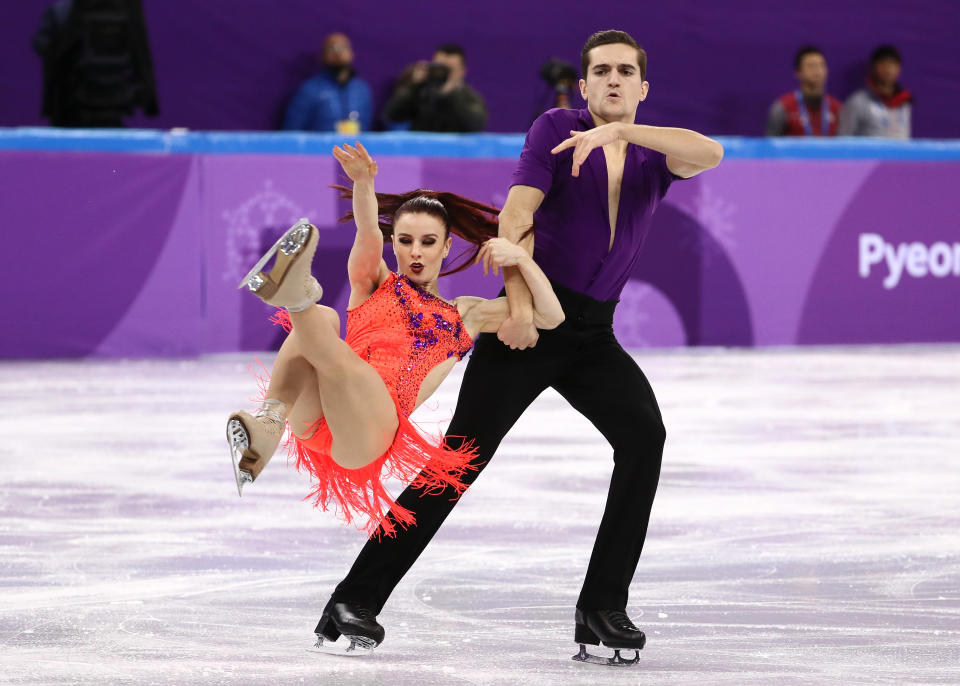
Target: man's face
(886, 72)
(337, 51)
(612, 85)
(458, 70)
(812, 72)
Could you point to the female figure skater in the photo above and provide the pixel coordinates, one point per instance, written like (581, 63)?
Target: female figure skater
(348, 401)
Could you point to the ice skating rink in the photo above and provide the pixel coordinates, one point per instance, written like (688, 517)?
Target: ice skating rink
(806, 531)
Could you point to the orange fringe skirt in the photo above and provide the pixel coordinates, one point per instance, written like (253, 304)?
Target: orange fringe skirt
(427, 464)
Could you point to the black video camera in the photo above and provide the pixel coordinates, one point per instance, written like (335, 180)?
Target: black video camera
(437, 74)
(559, 74)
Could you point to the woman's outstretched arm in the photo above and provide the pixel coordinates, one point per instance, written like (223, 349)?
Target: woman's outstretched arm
(365, 266)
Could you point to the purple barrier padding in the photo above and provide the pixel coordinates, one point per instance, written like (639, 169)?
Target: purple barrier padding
(891, 269)
(249, 201)
(773, 221)
(128, 255)
(168, 294)
(82, 235)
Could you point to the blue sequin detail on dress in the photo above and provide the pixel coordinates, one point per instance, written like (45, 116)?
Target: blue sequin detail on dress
(424, 337)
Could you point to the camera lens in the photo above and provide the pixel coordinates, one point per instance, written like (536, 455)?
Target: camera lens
(437, 73)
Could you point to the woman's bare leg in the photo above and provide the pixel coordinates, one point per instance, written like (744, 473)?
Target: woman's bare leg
(287, 378)
(359, 411)
(254, 438)
(294, 383)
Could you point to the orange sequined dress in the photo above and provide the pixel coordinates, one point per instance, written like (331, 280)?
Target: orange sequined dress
(403, 332)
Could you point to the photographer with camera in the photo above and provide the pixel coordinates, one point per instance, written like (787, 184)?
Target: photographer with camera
(432, 96)
(560, 78)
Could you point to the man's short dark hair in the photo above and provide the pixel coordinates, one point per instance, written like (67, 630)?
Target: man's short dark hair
(885, 52)
(803, 52)
(610, 38)
(453, 49)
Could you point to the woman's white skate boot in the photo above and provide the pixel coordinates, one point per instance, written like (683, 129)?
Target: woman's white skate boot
(253, 440)
(289, 283)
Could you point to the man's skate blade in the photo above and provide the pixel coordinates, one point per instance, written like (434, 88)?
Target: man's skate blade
(616, 661)
(345, 646)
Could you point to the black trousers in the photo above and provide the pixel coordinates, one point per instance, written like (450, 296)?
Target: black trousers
(582, 360)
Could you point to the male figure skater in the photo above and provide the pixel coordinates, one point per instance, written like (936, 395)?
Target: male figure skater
(588, 181)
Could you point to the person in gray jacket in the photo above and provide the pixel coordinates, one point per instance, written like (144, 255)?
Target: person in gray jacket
(884, 107)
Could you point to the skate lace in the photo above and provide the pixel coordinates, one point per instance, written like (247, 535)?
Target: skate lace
(271, 422)
(621, 621)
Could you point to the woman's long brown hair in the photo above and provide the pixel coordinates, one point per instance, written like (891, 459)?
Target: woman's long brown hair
(472, 221)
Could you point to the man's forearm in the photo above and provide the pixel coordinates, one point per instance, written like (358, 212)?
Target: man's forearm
(683, 144)
(547, 308)
(519, 299)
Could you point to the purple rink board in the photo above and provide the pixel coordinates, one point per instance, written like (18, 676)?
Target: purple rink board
(114, 255)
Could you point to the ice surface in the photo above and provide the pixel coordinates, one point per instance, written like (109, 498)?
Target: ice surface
(805, 532)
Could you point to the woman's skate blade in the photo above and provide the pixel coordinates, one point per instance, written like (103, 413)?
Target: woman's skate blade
(616, 661)
(289, 243)
(239, 441)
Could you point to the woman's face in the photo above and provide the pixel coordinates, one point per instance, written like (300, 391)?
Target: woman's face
(420, 242)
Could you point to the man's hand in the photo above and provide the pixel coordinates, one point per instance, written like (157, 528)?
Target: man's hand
(587, 141)
(419, 72)
(517, 334)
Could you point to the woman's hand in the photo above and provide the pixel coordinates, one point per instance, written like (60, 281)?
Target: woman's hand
(499, 253)
(356, 162)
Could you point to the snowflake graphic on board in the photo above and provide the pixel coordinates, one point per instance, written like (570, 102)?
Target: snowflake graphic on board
(715, 213)
(267, 208)
(631, 318)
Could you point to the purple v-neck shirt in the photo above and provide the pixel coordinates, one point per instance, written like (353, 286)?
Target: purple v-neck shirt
(572, 237)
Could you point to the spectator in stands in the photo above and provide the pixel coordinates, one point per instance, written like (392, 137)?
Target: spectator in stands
(435, 97)
(883, 108)
(561, 78)
(335, 99)
(808, 110)
(97, 66)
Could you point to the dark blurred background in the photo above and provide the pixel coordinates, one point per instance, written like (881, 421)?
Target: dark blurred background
(714, 66)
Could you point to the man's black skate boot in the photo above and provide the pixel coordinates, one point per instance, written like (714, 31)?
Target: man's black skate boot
(357, 624)
(613, 629)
